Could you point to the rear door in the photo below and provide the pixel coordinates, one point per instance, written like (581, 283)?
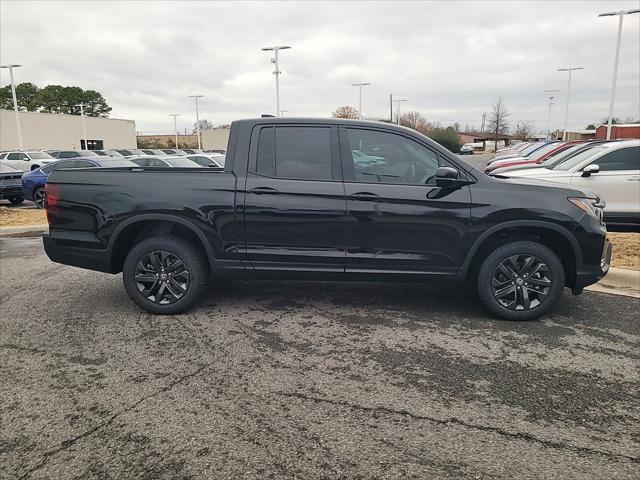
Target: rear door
(400, 222)
(294, 203)
(618, 180)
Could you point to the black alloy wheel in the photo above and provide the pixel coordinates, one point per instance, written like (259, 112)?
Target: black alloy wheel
(162, 277)
(39, 197)
(521, 282)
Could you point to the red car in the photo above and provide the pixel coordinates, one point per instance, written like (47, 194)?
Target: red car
(538, 160)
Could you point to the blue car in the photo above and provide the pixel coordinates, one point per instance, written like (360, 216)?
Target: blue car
(33, 182)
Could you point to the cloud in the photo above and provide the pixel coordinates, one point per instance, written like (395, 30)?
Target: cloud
(450, 60)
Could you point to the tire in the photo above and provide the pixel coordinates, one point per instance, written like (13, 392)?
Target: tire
(155, 257)
(535, 286)
(39, 197)
(16, 200)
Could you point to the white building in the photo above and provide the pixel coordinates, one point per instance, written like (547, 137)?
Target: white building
(60, 131)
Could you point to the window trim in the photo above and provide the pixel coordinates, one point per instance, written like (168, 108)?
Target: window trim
(336, 168)
(611, 153)
(347, 158)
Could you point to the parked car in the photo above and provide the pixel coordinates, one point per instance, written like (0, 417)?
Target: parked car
(191, 151)
(172, 151)
(33, 183)
(129, 152)
(301, 207)
(25, 161)
(539, 156)
(207, 160)
(216, 151)
(153, 152)
(10, 184)
(59, 154)
(526, 152)
(167, 161)
(611, 169)
(466, 149)
(110, 153)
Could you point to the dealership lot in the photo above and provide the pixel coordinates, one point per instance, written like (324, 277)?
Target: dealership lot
(309, 380)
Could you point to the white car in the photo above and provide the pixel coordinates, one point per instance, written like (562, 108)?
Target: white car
(610, 169)
(26, 161)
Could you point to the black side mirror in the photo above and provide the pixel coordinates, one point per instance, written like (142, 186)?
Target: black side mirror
(448, 177)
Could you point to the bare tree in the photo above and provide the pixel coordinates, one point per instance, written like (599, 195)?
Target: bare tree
(524, 130)
(498, 123)
(345, 112)
(414, 120)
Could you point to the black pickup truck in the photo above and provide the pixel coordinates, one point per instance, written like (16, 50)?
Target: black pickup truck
(328, 199)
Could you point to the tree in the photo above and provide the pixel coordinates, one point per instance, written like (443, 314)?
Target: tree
(345, 112)
(524, 130)
(50, 98)
(26, 94)
(447, 137)
(414, 120)
(95, 104)
(204, 125)
(497, 122)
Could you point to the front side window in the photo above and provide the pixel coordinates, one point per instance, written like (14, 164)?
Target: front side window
(40, 156)
(382, 157)
(302, 153)
(578, 158)
(622, 159)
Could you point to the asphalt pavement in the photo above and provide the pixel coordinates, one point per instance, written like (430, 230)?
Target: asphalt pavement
(308, 380)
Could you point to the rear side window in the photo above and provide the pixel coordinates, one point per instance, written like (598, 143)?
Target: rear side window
(302, 153)
(68, 155)
(622, 159)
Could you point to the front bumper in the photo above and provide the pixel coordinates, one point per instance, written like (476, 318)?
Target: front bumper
(11, 192)
(590, 274)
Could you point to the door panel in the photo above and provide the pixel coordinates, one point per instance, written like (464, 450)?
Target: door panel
(620, 189)
(295, 223)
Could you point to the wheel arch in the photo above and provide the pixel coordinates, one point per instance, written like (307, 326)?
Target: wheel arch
(554, 236)
(134, 229)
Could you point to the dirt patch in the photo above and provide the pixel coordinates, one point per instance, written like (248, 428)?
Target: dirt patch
(14, 217)
(626, 250)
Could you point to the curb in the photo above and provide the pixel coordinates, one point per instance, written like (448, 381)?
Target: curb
(28, 231)
(619, 281)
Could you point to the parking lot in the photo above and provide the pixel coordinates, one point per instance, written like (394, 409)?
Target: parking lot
(308, 380)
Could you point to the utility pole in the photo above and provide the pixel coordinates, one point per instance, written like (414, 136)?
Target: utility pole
(360, 85)
(276, 72)
(283, 111)
(175, 126)
(621, 15)
(197, 120)
(398, 102)
(550, 92)
(15, 103)
(566, 112)
(84, 126)
(484, 117)
(391, 107)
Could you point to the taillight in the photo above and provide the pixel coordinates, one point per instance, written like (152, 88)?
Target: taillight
(52, 195)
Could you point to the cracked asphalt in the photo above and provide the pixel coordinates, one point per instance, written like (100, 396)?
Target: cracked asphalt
(308, 380)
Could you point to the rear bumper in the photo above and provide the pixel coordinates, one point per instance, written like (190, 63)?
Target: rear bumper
(61, 251)
(590, 274)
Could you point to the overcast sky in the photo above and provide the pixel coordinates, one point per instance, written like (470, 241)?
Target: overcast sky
(449, 60)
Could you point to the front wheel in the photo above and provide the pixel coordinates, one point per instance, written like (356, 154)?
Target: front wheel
(39, 197)
(165, 275)
(520, 280)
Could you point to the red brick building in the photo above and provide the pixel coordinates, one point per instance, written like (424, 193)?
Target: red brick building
(624, 130)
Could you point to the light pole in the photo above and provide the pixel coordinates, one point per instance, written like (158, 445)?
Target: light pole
(15, 102)
(550, 92)
(84, 126)
(360, 85)
(621, 15)
(566, 111)
(283, 111)
(276, 72)
(197, 119)
(175, 125)
(398, 101)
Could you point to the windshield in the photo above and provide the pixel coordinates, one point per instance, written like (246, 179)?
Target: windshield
(115, 163)
(542, 150)
(579, 158)
(180, 162)
(562, 155)
(40, 156)
(529, 149)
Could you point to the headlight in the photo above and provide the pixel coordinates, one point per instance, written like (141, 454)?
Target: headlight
(590, 206)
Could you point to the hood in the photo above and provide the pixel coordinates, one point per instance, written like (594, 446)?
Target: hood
(541, 173)
(572, 190)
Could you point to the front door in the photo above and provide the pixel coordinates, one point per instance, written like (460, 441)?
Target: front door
(294, 203)
(400, 222)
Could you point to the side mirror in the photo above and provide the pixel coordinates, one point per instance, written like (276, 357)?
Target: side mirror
(589, 169)
(447, 177)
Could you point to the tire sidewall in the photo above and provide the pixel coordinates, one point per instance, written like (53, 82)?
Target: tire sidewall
(187, 253)
(492, 261)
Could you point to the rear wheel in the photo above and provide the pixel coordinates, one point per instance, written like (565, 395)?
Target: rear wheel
(520, 280)
(16, 200)
(165, 275)
(39, 197)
